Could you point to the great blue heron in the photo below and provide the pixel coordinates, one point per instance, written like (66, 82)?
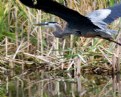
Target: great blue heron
(92, 25)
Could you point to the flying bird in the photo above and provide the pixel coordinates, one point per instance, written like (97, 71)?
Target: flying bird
(94, 24)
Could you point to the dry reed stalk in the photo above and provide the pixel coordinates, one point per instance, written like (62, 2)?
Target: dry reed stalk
(39, 35)
(16, 26)
(116, 67)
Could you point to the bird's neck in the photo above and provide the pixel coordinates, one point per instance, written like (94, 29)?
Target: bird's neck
(58, 28)
(60, 32)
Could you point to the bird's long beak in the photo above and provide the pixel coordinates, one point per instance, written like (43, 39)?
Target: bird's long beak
(40, 24)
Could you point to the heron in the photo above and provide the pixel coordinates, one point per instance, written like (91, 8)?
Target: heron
(94, 24)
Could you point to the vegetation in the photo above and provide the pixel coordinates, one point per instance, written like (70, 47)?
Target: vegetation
(33, 63)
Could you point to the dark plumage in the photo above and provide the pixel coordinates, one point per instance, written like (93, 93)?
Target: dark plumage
(92, 25)
(115, 13)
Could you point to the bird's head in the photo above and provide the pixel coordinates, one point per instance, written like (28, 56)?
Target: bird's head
(48, 24)
(54, 25)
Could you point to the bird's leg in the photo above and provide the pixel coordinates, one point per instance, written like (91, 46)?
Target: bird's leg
(112, 41)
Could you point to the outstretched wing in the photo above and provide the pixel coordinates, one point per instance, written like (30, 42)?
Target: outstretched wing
(99, 15)
(115, 13)
(57, 9)
(107, 15)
